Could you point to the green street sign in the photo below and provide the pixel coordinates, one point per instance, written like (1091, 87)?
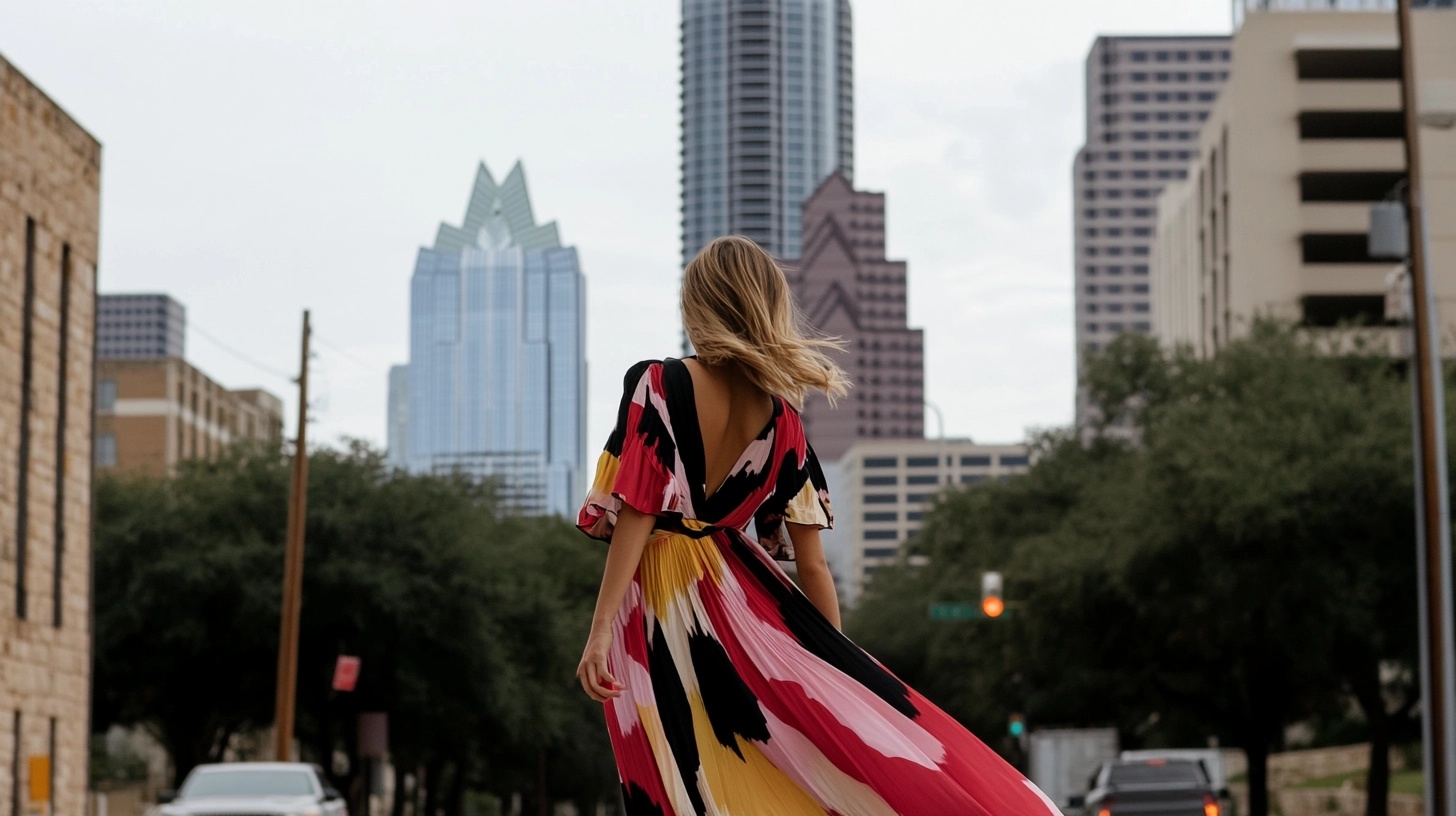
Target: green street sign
(954, 611)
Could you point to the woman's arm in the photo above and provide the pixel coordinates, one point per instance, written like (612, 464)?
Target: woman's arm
(629, 537)
(814, 576)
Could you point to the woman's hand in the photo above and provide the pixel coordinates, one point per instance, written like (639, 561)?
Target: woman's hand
(599, 683)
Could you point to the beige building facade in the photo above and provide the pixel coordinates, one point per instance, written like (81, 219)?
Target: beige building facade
(1274, 215)
(882, 488)
(50, 175)
(152, 414)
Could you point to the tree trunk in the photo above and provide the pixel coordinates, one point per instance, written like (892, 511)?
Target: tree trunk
(434, 775)
(1365, 684)
(543, 806)
(1257, 753)
(455, 799)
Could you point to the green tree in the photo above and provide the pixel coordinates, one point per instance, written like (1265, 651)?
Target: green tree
(1224, 553)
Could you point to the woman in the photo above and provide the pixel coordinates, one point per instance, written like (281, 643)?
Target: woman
(728, 690)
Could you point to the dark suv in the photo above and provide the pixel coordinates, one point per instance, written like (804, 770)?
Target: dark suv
(1150, 787)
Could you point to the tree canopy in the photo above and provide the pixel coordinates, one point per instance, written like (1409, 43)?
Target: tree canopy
(1228, 551)
(468, 621)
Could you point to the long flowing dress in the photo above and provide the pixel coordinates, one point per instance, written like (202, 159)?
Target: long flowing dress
(741, 698)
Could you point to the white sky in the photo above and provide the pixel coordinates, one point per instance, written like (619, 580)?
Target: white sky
(266, 156)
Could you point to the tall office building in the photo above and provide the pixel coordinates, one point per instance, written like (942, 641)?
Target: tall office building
(767, 114)
(1147, 98)
(1274, 217)
(50, 176)
(497, 369)
(846, 287)
(142, 326)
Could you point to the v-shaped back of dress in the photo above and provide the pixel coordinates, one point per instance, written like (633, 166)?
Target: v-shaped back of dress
(654, 463)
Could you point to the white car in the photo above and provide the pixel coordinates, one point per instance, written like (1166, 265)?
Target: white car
(254, 789)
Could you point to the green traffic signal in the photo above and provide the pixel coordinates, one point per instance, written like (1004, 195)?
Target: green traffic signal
(1017, 727)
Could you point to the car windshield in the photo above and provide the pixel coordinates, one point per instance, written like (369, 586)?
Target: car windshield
(261, 782)
(1155, 772)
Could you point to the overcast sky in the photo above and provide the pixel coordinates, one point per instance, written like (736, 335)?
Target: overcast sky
(266, 156)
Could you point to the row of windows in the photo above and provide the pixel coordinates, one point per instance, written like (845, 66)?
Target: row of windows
(1116, 251)
(881, 552)
(1149, 136)
(1155, 116)
(1206, 55)
(967, 460)
(926, 479)
(1116, 289)
(1116, 212)
(893, 515)
(1170, 76)
(1138, 192)
(1115, 308)
(1094, 271)
(1117, 232)
(1138, 328)
(1141, 155)
(1115, 175)
(1143, 97)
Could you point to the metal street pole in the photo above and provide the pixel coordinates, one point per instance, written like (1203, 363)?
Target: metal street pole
(293, 574)
(1433, 522)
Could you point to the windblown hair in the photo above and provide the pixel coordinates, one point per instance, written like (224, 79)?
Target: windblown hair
(736, 306)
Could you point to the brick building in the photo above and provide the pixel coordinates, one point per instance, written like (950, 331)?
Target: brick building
(152, 414)
(846, 287)
(50, 171)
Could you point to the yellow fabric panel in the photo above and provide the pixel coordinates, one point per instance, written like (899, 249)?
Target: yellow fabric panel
(606, 477)
(672, 563)
(662, 754)
(750, 786)
(805, 508)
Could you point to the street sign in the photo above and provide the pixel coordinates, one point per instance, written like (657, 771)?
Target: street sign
(346, 673)
(954, 611)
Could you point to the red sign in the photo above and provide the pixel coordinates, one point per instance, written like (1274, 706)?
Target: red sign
(346, 673)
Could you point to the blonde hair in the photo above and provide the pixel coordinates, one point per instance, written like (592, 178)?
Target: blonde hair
(736, 305)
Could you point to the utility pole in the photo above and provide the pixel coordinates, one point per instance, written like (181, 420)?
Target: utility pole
(1438, 686)
(293, 573)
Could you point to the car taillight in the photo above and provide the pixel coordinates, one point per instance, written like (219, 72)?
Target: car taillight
(1210, 805)
(1106, 808)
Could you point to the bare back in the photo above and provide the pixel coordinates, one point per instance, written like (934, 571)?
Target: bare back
(732, 411)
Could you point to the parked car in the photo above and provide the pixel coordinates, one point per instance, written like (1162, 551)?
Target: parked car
(254, 789)
(1150, 787)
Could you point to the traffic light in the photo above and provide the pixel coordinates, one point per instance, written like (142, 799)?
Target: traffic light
(992, 604)
(1017, 726)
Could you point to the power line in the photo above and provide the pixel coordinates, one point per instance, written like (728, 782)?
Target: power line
(242, 356)
(371, 368)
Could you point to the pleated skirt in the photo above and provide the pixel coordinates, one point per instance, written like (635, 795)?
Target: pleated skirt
(741, 698)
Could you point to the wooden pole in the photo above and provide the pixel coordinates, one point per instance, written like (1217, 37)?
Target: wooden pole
(293, 574)
(1434, 560)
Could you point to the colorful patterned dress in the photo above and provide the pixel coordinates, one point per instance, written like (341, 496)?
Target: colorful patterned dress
(741, 698)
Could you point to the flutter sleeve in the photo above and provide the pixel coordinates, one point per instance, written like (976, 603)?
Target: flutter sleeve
(636, 466)
(800, 497)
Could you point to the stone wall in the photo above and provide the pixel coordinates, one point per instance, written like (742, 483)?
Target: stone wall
(49, 208)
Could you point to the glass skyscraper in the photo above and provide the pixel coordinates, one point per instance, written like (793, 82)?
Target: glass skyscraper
(497, 373)
(767, 114)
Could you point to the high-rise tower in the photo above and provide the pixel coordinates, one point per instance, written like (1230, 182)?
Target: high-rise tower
(1147, 99)
(497, 372)
(767, 114)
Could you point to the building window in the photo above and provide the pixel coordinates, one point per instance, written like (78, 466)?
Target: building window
(880, 461)
(1014, 460)
(881, 552)
(922, 461)
(106, 395)
(106, 450)
(971, 478)
(921, 479)
(881, 515)
(881, 535)
(880, 481)
(880, 498)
